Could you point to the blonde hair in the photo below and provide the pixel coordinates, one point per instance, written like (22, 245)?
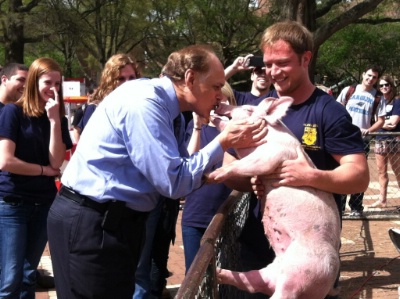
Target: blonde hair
(228, 92)
(109, 76)
(30, 99)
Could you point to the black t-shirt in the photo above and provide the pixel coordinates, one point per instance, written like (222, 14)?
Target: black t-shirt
(31, 136)
(247, 98)
(78, 115)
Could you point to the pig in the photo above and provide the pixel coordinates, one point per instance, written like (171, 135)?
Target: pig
(302, 224)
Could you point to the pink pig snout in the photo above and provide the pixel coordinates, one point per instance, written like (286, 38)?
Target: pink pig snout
(225, 113)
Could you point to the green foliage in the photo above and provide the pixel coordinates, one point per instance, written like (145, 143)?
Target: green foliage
(83, 34)
(230, 26)
(351, 50)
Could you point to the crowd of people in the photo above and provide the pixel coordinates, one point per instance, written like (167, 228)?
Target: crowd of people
(110, 225)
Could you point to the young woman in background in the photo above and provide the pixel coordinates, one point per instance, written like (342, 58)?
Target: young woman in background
(118, 69)
(33, 139)
(387, 148)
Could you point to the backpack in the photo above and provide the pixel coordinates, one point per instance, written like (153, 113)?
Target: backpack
(378, 95)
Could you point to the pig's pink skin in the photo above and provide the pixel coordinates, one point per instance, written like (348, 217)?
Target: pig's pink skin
(302, 224)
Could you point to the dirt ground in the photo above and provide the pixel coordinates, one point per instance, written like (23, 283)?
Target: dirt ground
(370, 266)
(370, 263)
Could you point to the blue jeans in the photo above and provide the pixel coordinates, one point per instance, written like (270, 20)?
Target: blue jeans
(23, 237)
(191, 237)
(143, 270)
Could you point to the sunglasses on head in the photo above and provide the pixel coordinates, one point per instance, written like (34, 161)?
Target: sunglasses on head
(384, 85)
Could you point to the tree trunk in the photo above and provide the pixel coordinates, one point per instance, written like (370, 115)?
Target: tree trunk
(14, 33)
(302, 11)
(305, 12)
(14, 41)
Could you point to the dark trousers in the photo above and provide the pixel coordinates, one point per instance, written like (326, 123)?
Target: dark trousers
(255, 252)
(165, 234)
(356, 199)
(89, 261)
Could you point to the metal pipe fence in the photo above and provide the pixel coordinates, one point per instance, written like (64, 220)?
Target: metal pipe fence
(219, 246)
(384, 150)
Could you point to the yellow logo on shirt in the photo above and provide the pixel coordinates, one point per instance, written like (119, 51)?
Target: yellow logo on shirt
(310, 135)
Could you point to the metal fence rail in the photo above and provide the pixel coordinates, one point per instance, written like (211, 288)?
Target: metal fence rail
(372, 194)
(218, 247)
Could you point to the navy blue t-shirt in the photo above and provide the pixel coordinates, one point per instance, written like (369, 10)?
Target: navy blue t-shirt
(31, 136)
(87, 113)
(323, 127)
(202, 204)
(391, 109)
(247, 98)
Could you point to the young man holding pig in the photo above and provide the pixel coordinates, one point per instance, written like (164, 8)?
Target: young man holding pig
(322, 125)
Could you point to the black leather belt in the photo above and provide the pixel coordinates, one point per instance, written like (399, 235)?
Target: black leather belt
(83, 200)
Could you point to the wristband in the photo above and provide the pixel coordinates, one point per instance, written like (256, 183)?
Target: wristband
(41, 173)
(197, 129)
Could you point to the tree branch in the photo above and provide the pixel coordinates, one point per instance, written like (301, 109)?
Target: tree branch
(28, 7)
(36, 39)
(325, 8)
(377, 21)
(350, 16)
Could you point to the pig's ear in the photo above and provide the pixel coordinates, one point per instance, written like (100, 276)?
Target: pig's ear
(276, 108)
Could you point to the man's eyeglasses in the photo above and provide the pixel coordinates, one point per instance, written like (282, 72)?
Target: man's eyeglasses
(384, 85)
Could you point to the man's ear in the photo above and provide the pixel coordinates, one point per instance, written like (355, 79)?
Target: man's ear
(189, 78)
(3, 79)
(307, 57)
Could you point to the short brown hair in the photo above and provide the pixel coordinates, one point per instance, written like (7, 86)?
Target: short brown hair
(292, 32)
(11, 69)
(195, 57)
(374, 68)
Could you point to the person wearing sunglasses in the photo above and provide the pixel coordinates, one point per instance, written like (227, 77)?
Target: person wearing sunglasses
(387, 147)
(255, 251)
(261, 84)
(360, 106)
